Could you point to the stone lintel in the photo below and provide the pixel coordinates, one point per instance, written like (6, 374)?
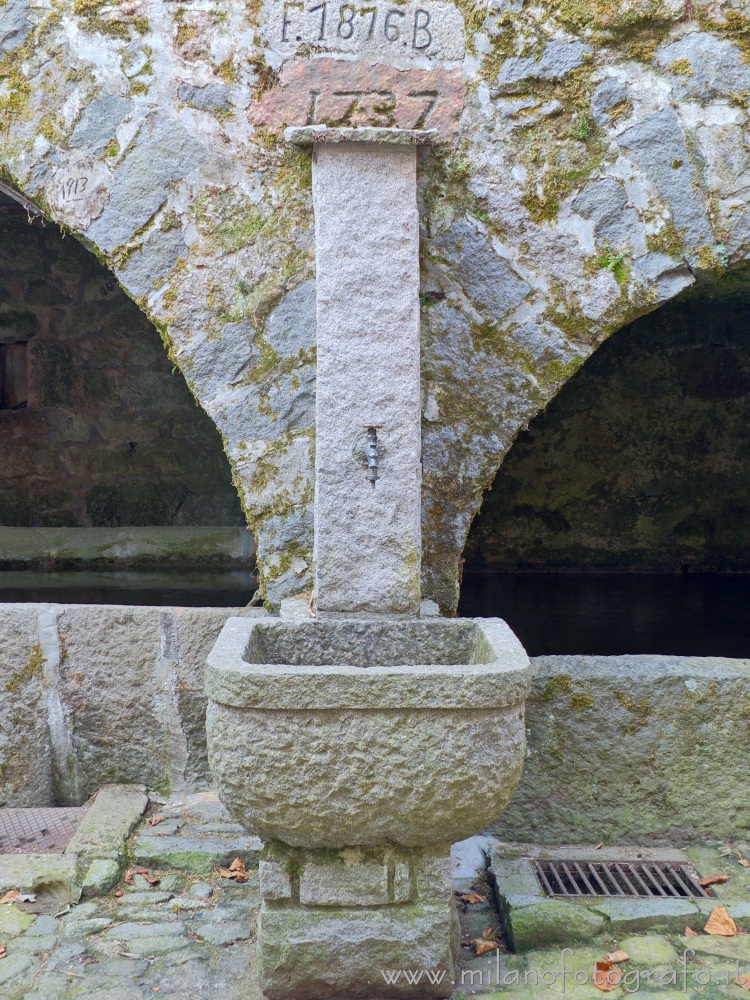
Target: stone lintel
(312, 135)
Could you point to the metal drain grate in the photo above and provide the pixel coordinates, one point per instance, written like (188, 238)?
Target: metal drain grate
(618, 878)
(38, 831)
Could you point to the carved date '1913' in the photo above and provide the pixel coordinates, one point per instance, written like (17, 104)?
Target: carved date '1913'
(73, 188)
(395, 26)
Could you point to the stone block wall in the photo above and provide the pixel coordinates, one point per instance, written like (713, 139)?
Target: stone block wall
(97, 426)
(633, 750)
(91, 694)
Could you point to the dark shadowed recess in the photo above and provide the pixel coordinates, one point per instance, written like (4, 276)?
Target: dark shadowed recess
(620, 520)
(97, 426)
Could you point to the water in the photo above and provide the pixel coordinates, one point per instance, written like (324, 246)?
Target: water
(707, 615)
(181, 589)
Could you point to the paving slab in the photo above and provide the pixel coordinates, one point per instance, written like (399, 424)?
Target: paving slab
(199, 855)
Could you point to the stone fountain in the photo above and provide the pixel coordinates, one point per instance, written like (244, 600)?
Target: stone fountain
(361, 739)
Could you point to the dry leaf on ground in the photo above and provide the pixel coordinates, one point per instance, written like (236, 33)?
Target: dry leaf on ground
(236, 871)
(9, 896)
(472, 898)
(118, 893)
(744, 862)
(689, 932)
(129, 877)
(488, 934)
(151, 879)
(713, 880)
(155, 820)
(481, 946)
(743, 981)
(720, 923)
(607, 977)
(599, 847)
(3, 952)
(618, 956)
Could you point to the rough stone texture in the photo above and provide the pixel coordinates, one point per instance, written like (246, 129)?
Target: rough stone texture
(340, 953)
(125, 702)
(418, 33)
(552, 922)
(199, 855)
(240, 201)
(367, 537)
(405, 775)
(32, 872)
(556, 61)
(110, 435)
(657, 481)
(105, 828)
(638, 915)
(100, 877)
(25, 753)
(355, 94)
(673, 727)
(324, 884)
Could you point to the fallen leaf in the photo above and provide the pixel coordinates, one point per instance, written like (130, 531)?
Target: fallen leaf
(118, 893)
(3, 952)
(720, 923)
(472, 898)
(618, 956)
(607, 977)
(481, 946)
(689, 932)
(236, 871)
(129, 877)
(744, 862)
(488, 933)
(713, 880)
(155, 820)
(743, 981)
(599, 847)
(9, 896)
(144, 873)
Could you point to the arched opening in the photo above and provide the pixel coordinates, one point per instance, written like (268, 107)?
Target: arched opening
(619, 521)
(106, 460)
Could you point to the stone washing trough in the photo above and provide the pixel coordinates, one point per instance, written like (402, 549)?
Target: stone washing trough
(335, 733)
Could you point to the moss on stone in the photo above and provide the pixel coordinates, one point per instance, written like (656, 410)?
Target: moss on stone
(31, 669)
(557, 686)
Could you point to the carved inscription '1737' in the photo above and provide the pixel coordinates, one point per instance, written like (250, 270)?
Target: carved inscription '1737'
(394, 31)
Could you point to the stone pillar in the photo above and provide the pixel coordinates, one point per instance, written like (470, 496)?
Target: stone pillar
(367, 517)
(346, 924)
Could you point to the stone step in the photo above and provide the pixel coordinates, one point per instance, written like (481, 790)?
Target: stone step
(199, 855)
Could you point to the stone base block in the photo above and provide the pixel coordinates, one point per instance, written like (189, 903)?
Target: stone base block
(374, 923)
(348, 952)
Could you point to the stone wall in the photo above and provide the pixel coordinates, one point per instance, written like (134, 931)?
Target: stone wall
(91, 694)
(621, 749)
(594, 164)
(633, 750)
(105, 432)
(640, 463)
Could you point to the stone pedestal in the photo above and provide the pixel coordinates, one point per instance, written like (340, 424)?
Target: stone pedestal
(376, 922)
(367, 529)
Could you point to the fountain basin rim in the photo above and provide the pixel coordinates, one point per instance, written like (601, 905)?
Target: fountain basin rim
(501, 683)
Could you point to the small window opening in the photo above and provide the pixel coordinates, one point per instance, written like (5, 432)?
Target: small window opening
(13, 376)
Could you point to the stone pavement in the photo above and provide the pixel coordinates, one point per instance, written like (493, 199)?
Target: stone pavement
(192, 934)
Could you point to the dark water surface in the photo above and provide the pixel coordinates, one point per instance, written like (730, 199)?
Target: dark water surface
(192, 590)
(609, 614)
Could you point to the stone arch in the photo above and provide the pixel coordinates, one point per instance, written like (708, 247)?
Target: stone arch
(98, 427)
(637, 465)
(598, 166)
